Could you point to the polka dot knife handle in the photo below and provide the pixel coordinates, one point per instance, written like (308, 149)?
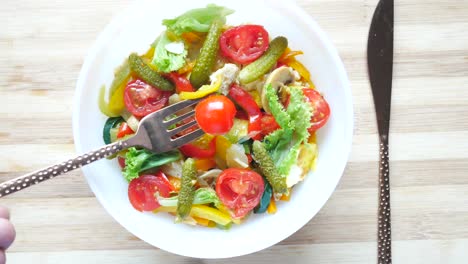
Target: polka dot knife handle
(36, 177)
(384, 229)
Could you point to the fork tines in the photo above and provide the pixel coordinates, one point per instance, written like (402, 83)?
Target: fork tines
(188, 117)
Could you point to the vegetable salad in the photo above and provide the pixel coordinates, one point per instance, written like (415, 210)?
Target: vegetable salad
(260, 112)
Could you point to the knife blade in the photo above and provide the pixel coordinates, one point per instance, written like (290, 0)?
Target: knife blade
(380, 67)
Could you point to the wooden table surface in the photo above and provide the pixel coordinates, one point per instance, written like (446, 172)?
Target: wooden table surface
(43, 44)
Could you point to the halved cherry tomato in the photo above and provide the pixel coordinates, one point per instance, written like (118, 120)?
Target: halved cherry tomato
(247, 102)
(121, 161)
(124, 130)
(192, 150)
(268, 124)
(215, 114)
(142, 189)
(142, 99)
(240, 190)
(244, 44)
(320, 106)
(181, 83)
(321, 109)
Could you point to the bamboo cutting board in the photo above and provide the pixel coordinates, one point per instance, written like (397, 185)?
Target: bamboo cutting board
(43, 44)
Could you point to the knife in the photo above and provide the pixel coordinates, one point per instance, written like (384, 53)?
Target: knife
(380, 67)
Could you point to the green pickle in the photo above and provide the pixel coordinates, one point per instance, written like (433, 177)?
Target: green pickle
(144, 71)
(262, 65)
(208, 55)
(267, 166)
(187, 189)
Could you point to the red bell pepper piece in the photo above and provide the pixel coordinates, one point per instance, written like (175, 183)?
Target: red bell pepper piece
(246, 102)
(124, 130)
(181, 83)
(194, 151)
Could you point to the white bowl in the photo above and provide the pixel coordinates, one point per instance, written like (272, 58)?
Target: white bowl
(279, 17)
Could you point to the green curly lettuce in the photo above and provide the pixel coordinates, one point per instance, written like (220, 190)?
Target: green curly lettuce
(283, 144)
(139, 160)
(281, 116)
(198, 20)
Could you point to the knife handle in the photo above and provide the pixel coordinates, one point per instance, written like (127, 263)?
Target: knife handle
(384, 229)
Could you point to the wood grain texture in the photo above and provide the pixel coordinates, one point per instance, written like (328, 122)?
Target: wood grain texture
(43, 44)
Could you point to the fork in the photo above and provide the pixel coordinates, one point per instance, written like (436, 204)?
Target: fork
(154, 133)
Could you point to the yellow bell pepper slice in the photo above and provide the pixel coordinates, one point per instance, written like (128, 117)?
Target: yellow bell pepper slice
(215, 215)
(175, 182)
(203, 91)
(205, 164)
(272, 206)
(203, 141)
(188, 67)
(116, 103)
(301, 69)
(103, 105)
(191, 37)
(257, 98)
(290, 54)
(222, 145)
(166, 209)
(201, 211)
(204, 222)
(287, 196)
(149, 54)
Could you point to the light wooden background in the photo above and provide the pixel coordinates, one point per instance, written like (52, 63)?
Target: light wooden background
(42, 46)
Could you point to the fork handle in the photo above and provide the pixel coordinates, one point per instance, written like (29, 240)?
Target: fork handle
(36, 177)
(384, 228)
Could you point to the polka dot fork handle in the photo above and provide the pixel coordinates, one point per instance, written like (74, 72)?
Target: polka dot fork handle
(36, 177)
(155, 132)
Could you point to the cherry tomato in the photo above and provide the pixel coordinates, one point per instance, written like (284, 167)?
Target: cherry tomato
(142, 189)
(268, 124)
(124, 130)
(182, 84)
(240, 190)
(321, 107)
(215, 114)
(142, 99)
(244, 44)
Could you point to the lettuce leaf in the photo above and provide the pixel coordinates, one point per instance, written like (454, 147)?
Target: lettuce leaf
(283, 144)
(198, 20)
(281, 116)
(138, 160)
(202, 196)
(165, 60)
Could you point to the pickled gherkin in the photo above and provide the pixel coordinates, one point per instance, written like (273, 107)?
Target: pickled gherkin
(144, 71)
(267, 166)
(208, 55)
(262, 65)
(187, 189)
